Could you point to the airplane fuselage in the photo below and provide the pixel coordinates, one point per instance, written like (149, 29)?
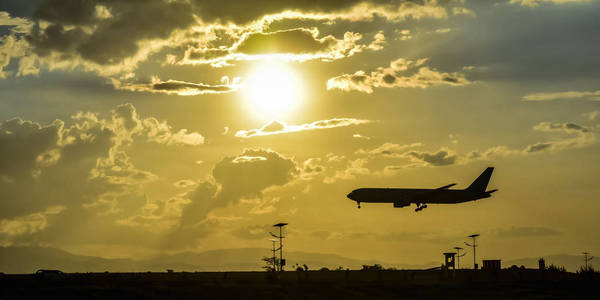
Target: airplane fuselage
(421, 197)
(418, 196)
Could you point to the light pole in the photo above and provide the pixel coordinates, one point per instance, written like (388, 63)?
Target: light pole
(587, 259)
(280, 237)
(458, 256)
(474, 245)
(274, 257)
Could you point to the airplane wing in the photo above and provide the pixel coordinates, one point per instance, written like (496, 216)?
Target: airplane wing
(446, 186)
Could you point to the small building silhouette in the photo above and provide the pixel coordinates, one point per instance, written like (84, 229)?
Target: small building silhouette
(491, 264)
(449, 258)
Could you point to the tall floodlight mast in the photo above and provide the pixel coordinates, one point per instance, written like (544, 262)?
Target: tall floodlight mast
(458, 256)
(587, 259)
(274, 256)
(474, 245)
(280, 237)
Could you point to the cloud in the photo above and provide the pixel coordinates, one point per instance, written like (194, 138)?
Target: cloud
(591, 95)
(389, 149)
(579, 137)
(360, 136)
(114, 37)
(592, 115)
(560, 127)
(491, 153)
(12, 45)
(297, 44)
(354, 10)
(278, 127)
(535, 3)
(393, 76)
(16, 24)
(82, 168)
(311, 168)
(523, 232)
(242, 176)
(112, 40)
(440, 158)
(253, 232)
(293, 41)
(106, 37)
(181, 88)
(28, 224)
(463, 11)
(355, 167)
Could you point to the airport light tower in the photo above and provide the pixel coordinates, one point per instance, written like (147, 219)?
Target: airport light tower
(458, 256)
(587, 258)
(474, 245)
(280, 237)
(274, 257)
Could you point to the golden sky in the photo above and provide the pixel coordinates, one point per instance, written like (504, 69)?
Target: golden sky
(132, 128)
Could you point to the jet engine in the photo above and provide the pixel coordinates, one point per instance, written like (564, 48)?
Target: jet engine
(401, 203)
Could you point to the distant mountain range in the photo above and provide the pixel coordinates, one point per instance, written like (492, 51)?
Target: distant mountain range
(30, 259)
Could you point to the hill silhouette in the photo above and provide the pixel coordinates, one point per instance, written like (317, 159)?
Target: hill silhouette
(29, 259)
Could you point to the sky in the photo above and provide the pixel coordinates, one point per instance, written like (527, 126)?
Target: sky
(132, 128)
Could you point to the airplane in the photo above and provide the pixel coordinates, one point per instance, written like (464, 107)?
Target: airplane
(422, 197)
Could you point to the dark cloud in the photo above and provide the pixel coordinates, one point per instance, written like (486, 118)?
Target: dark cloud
(567, 127)
(22, 142)
(245, 11)
(242, 176)
(115, 37)
(548, 50)
(538, 147)
(296, 41)
(67, 12)
(182, 88)
(440, 158)
(56, 38)
(237, 177)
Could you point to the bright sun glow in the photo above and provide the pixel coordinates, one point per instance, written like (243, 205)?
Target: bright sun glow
(272, 90)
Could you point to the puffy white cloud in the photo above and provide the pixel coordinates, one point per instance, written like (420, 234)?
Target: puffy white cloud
(393, 76)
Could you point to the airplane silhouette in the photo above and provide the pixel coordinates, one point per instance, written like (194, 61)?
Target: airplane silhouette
(422, 197)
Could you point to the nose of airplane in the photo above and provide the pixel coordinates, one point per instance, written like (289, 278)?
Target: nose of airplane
(350, 195)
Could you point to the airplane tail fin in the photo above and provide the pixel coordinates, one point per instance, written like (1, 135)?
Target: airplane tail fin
(480, 184)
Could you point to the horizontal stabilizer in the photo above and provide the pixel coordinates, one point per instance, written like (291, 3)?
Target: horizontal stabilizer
(489, 192)
(446, 186)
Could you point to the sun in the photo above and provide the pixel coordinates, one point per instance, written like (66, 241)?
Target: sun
(272, 90)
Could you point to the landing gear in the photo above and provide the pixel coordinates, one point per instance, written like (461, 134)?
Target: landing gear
(358, 204)
(420, 207)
